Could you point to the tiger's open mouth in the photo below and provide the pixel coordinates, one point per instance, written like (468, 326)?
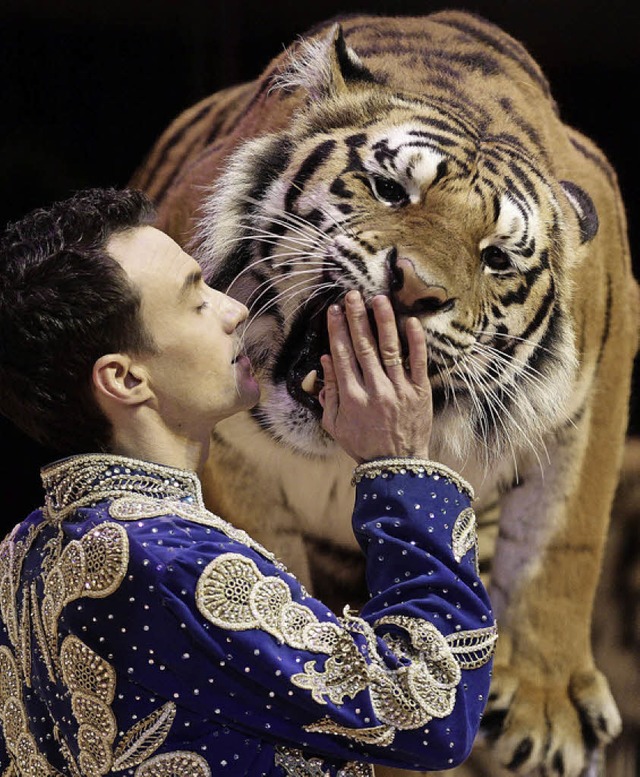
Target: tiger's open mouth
(300, 354)
(299, 362)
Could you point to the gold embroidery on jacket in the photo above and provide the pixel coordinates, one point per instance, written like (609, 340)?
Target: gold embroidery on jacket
(24, 651)
(88, 479)
(92, 711)
(38, 616)
(92, 567)
(421, 467)
(232, 593)
(295, 764)
(463, 535)
(21, 744)
(471, 649)
(382, 736)
(91, 681)
(475, 647)
(144, 738)
(12, 554)
(177, 764)
(139, 507)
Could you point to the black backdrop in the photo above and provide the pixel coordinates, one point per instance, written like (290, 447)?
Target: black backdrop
(86, 86)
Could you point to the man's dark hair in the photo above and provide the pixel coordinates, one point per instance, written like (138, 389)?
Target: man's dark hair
(64, 302)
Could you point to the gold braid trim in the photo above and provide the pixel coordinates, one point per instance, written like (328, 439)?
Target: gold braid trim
(382, 467)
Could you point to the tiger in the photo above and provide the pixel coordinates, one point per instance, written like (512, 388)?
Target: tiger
(425, 158)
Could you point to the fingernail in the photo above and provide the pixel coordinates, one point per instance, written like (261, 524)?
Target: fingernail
(335, 310)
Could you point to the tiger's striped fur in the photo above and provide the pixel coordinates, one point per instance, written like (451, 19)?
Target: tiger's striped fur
(424, 157)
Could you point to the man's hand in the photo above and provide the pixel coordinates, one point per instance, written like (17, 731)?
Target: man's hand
(373, 406)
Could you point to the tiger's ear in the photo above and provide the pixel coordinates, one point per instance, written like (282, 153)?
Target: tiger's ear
(325, 67)
(585, 210)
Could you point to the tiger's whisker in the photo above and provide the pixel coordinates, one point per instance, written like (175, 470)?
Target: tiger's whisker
(497, 418)
(523, 340)
(284, 294)
(526, 373)
(495, 398)
(272, 282)
(268, 238)
(292, 221)
(341, 225)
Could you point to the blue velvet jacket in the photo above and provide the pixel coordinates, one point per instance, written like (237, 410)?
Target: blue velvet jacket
(142, 635)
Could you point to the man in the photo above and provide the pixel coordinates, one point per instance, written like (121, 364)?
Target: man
(142, 634)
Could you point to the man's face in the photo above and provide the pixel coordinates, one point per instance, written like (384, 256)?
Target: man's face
(197, 374)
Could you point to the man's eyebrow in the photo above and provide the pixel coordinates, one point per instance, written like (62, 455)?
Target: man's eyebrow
(192, 279)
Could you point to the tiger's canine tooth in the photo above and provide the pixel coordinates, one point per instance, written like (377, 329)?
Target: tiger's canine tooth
(309, 384)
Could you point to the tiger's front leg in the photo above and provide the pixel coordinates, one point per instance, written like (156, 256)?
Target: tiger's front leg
(550, 710)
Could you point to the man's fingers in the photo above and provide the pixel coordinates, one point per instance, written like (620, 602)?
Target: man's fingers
(417, 352)
(356, 354)
(388, 340)
(364, 344)
(344, 362)
(328, 397)
(369, 408)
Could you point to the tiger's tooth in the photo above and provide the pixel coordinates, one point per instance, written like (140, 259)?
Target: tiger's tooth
(309, 383)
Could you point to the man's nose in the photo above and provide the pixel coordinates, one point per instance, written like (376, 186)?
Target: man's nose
(243, 312)
(239, 312)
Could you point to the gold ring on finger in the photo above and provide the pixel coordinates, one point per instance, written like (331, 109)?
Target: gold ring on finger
(392, 362)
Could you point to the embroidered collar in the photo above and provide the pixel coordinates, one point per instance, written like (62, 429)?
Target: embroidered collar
(86, 479)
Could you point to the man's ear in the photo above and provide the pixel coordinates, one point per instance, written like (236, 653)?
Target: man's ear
(117, 377)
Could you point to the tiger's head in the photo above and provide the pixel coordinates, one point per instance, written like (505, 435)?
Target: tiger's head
(439, 187)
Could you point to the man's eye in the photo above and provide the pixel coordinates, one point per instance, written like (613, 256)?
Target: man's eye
(387, 190)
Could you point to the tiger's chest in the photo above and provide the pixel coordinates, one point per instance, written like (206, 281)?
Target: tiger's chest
(314, 497)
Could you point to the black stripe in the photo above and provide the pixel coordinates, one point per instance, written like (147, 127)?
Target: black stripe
(150, 173)
(521, 294)
(597, 159)
(547, 304)
(607, 321)
(473, 61)
(527, 128)
(310, 165)
(226, 272)
(546, 347)
(501, 42)
(354, 258)
(339, 189)
(271, 162)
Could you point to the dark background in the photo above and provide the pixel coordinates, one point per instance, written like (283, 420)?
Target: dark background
(86, 86)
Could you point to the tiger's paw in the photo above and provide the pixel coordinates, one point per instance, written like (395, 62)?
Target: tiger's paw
(549, 729)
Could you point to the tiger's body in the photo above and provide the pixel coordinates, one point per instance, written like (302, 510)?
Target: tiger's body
(424, 157)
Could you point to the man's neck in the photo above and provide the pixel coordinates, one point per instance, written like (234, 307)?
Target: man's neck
(172, 451)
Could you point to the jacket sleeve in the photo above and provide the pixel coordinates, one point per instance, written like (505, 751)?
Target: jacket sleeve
(236, 640)
(402, 682)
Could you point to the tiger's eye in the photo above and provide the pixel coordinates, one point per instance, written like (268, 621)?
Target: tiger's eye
(388, 190)
(495, 258)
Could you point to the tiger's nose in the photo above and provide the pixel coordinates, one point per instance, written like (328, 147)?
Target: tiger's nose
(410, 293)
